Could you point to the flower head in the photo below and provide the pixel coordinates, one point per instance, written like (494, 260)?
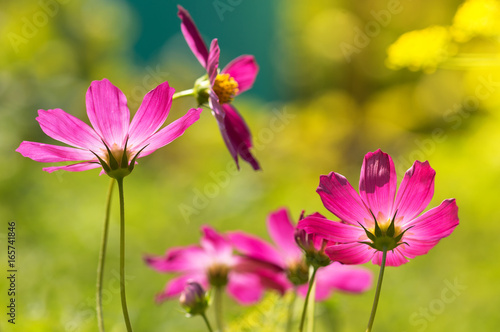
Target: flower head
(213, 264)
(112, 142)
(377, 218)
(219, 88)
(288, 255)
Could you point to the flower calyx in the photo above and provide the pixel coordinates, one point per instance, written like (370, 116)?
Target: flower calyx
(384, 238)
(218, 275)
(116, 162)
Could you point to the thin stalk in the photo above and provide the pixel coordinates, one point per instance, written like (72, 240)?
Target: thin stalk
(311, 284)
(184, 93)
(206, 322)
(122, 256)
(310, 308)
(102, 259)
(218, 308)
(377, 291)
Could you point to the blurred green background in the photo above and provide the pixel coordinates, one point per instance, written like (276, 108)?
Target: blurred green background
(325, 78)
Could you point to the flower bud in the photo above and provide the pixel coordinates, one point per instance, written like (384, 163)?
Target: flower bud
(193, 299)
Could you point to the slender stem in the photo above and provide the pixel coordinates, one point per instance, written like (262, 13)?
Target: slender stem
(218, 308)
(291, 306)
(377, 291)
(310, 308)
(206, 322)
(102, 258)
(122, 256)
(311, 284)
(184, 93)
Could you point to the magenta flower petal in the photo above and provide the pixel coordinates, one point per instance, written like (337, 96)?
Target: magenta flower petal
(68, 129)
(183, 259)
(170, 132)
(176, 285)
(377, 183)
(245, 288)
(108, 112)
(282, 232)
(255, 248)
(350, 253)
(415, 192)
(394, 257)
(340, 198)
(213, 61)
(192, 36)
(331, 230)
(47, 153)
(214, 243)
(436, 223)
(85, 166)
(239, 136)
(151, 114)
(244, 70)
(346, 278)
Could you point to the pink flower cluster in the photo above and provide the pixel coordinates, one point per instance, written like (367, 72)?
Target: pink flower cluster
(247, 265)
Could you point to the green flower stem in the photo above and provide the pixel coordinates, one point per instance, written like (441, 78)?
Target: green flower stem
(206, 322)
(218, 308)
(377, 291)
(102, 259)
(310, 308)
(122, 255)
(291, 306)
(311, 286)
(184, 93)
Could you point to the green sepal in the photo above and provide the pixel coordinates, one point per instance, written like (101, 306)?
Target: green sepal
(400, 236)
(132, 162)
(368, 233)
(103, 163)
(392, 230)
(113, 163)
(378, 231)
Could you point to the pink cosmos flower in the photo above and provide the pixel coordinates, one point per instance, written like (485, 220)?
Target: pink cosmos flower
(113, 143)
(291, 259)
(377, 218)
(237, 77)
(214, 263)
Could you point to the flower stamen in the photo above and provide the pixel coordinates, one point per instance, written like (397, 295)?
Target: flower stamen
(225, 87)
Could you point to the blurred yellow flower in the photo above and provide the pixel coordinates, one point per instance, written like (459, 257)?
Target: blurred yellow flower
(476, 18)
(421, 49)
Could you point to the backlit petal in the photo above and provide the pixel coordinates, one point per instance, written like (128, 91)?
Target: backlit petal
(79, 167)
(378, 182)
(245, 288)
(415, 191)
(394, 258)
(239, 135)
(350, 253)
(47, 153)
(333, 231)
(170, 132)
(436, 223)
(151, 115)
(282, 231)
(108, 112)
(68, 129)
(256, 248)
(180, 259)
(244, 70)
(192, 36)
(340, 198)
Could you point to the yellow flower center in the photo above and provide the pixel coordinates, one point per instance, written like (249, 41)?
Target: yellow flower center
(225, 87)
